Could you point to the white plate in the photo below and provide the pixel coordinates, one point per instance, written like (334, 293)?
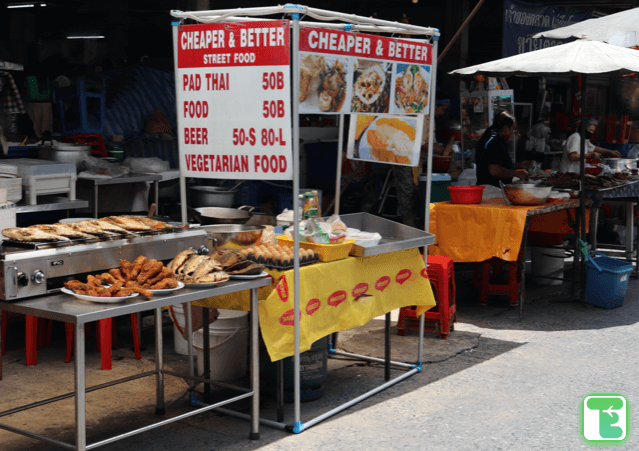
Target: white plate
(99, 299)
(202, 285)
(168, 290)
(248, 277)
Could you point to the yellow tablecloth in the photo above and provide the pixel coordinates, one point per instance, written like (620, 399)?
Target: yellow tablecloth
(334, 296)
(474, 233)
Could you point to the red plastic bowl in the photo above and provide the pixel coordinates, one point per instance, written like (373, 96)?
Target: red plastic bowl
(466, 194)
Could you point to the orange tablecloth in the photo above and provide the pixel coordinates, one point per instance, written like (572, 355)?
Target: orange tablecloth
(474, 233)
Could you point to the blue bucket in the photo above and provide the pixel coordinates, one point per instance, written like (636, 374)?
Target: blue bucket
(607, 281)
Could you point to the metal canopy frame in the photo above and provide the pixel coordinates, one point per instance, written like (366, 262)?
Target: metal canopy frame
(345, 22)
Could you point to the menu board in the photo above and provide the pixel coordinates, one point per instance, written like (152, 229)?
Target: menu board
(234, 100)
(384, 83)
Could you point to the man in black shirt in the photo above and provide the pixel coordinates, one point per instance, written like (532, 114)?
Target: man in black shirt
(493, 162)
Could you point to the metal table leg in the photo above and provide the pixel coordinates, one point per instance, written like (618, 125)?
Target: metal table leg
(387, 346)
(279, 377)
(522, 252)
(630, 222)
(95, 200)
(80, 390)
(156, 185)
(207, 357)
(189, 339)
(255, 368)
(159, 364)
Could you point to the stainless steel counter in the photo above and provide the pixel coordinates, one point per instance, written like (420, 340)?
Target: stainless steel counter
(67, 308)
(53, 204)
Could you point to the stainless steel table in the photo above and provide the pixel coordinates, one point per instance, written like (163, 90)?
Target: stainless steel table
(129, 178)
(53, 204)
(66, 308)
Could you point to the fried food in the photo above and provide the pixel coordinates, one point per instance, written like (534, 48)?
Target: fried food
(108, 226)
(166, 273)
(126, 268)
(61, 230)
(192, 265)
(108, 278)
(143, 291)
(94, 281)
(137, 266)
(165, 284)
(127, 223)
(116, 273)
(114, 288)
(75, 284)
(125, 292)
(151, 269)
(218, 276)
(31, 235)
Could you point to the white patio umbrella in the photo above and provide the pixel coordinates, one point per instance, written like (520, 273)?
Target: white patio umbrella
(580, 57)
(617, 29)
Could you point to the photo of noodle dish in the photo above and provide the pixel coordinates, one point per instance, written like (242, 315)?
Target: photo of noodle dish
(371, 86)
(411, 89)
(385, 139)
(323, 85)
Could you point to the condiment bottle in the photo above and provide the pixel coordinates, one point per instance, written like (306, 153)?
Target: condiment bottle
(310, 206)
(319, 207)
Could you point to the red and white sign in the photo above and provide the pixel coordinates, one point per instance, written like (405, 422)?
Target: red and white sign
(234, 100)
(361, 45)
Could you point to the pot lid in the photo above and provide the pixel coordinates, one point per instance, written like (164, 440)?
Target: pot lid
(71, 146)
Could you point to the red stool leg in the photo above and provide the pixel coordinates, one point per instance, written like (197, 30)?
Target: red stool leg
(104, 330)
(68, 332)
(3, 325)
(31, 339)
(401, 321)
(114, 333)
(136, 336)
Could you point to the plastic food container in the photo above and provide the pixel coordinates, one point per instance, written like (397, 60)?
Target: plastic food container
(466, 194)
(326, 252)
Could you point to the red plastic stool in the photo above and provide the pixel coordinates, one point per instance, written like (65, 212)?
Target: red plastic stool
(105, 335)
(38, 332)
(489, 279)
(95, 140)
(442, 276)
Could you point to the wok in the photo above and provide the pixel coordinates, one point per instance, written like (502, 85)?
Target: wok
(234, 236)
(219, 215)
(525, 194)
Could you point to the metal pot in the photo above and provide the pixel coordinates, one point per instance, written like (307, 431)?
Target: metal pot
(232, 236)
(526, 194)
(620, 164)
(65, 153)
(217, 215)
(211, 196)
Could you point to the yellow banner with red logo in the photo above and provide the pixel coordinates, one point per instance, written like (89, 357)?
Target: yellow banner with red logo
(341, 295)
(334, 296)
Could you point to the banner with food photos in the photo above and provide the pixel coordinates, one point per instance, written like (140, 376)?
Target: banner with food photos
(384, 83)
(345, 72)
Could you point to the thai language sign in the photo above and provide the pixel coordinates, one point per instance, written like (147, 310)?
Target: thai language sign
(522, 20)
(234, 101)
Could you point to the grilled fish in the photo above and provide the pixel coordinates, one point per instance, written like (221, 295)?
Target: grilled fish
(219, 276)
(29, 234)
(180, 259)
(62, 230)
(206, 267)
(192, 265)
(154, 224)
(86, 227)
(127, 223)
(108, 226)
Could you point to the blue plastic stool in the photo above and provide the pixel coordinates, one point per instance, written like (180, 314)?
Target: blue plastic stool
(79, 94)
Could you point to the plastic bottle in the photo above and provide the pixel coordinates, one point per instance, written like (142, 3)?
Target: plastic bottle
(319, 207)
(310, 206)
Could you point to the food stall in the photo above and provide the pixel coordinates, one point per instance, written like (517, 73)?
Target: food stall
(576, 58)
(40, 261)
(296, 309)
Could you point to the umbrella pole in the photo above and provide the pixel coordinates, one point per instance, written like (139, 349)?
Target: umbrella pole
(582, 193)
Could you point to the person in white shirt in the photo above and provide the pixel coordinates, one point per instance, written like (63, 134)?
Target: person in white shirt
(570, 157)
